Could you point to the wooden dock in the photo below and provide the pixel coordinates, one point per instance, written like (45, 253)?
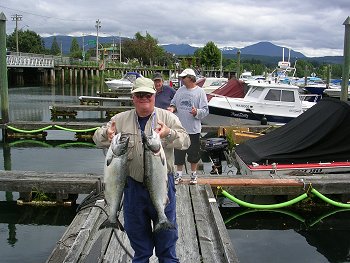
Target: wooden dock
(202, 234)
(96, 100)
(58, 110)
(73, 183)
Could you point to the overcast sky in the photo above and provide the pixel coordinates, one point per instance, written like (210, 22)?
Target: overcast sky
(313, 27)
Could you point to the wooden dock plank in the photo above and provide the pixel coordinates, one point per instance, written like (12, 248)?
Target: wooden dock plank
(66, 241)
(210, 249)
(229, 253)
(187, 248)
(26, 181)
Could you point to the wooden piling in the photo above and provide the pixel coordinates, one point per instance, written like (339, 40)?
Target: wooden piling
(3, 71)
(346, 67)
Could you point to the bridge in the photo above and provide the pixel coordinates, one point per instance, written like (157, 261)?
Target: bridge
(28, 60)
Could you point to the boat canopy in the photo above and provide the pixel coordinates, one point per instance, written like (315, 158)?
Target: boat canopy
(234, 88)
(320, 134)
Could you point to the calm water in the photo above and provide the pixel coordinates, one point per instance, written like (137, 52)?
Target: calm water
(28, 234)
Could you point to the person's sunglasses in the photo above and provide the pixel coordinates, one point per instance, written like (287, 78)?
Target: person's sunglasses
(141, 95)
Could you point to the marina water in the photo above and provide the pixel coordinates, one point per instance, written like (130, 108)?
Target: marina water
(29, 233)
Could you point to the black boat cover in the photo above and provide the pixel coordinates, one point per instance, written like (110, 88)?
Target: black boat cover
(321, 134)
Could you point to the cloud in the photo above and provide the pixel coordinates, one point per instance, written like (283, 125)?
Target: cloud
(312, 27)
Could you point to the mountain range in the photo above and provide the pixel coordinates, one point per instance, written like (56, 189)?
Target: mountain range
(266, 52)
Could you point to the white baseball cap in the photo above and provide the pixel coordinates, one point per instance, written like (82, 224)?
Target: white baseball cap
(187, 72)
(142, 84)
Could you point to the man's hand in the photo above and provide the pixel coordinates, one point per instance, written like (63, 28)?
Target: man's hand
(111, 129)
(162, 130)
(171, 109)
(193, 111)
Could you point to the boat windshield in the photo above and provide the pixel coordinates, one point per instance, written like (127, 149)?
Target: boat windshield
(255, 92)
(280, 95)
(130, 77)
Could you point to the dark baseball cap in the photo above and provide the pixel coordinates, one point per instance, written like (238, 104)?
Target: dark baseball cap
(157, 75)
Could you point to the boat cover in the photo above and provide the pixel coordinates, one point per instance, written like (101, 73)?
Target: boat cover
(321, 134)
(200, 82)
(234, 88)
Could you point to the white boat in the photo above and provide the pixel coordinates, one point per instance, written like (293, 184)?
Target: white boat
(316, 142)
(264, 103)
(209, 84)
(247, 77)
(125, 83)
(335, 92)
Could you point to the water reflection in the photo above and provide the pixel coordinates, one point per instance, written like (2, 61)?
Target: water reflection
(327, 230)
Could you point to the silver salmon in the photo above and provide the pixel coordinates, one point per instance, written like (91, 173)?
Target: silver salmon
(156, 178)
(114, 178)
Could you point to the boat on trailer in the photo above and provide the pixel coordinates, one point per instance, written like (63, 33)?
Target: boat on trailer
(316, 142)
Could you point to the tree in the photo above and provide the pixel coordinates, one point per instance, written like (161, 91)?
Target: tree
(75, 51)
(144, 48)
(210, 55)
(55, 50)
(28, 42)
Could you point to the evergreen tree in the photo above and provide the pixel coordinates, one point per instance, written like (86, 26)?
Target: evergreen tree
(75, 51)
(55, 49)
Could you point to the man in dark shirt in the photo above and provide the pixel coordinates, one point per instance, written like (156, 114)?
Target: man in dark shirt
(164, 93)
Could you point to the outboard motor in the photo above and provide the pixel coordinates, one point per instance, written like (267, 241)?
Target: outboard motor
(215, 148)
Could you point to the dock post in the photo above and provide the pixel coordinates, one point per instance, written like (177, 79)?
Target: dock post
(3, 71)
(345, 78)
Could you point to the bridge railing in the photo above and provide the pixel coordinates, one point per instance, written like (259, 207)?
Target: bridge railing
(29, 60)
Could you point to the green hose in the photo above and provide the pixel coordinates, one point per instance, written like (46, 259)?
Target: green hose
(270, 206)
(72, 130)
(329, 201)
(29, 131)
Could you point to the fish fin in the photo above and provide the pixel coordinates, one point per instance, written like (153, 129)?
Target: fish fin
(162, 158)
(109, 160)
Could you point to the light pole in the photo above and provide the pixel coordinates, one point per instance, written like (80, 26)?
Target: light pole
(98, 26)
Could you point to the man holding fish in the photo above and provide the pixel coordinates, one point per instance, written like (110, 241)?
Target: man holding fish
(144, 173)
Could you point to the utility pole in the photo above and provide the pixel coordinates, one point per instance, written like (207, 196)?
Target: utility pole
(16, 18)
(98, 26)
(120, 49)
(83, 48)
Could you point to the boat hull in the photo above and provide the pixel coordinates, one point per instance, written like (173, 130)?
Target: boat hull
(223, 117)
(292, 169)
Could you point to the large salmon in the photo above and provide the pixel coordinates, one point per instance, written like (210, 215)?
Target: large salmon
(156, 178)
(115, 174)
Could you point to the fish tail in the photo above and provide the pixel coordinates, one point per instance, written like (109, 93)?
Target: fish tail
(108, 224)
(164, 224)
